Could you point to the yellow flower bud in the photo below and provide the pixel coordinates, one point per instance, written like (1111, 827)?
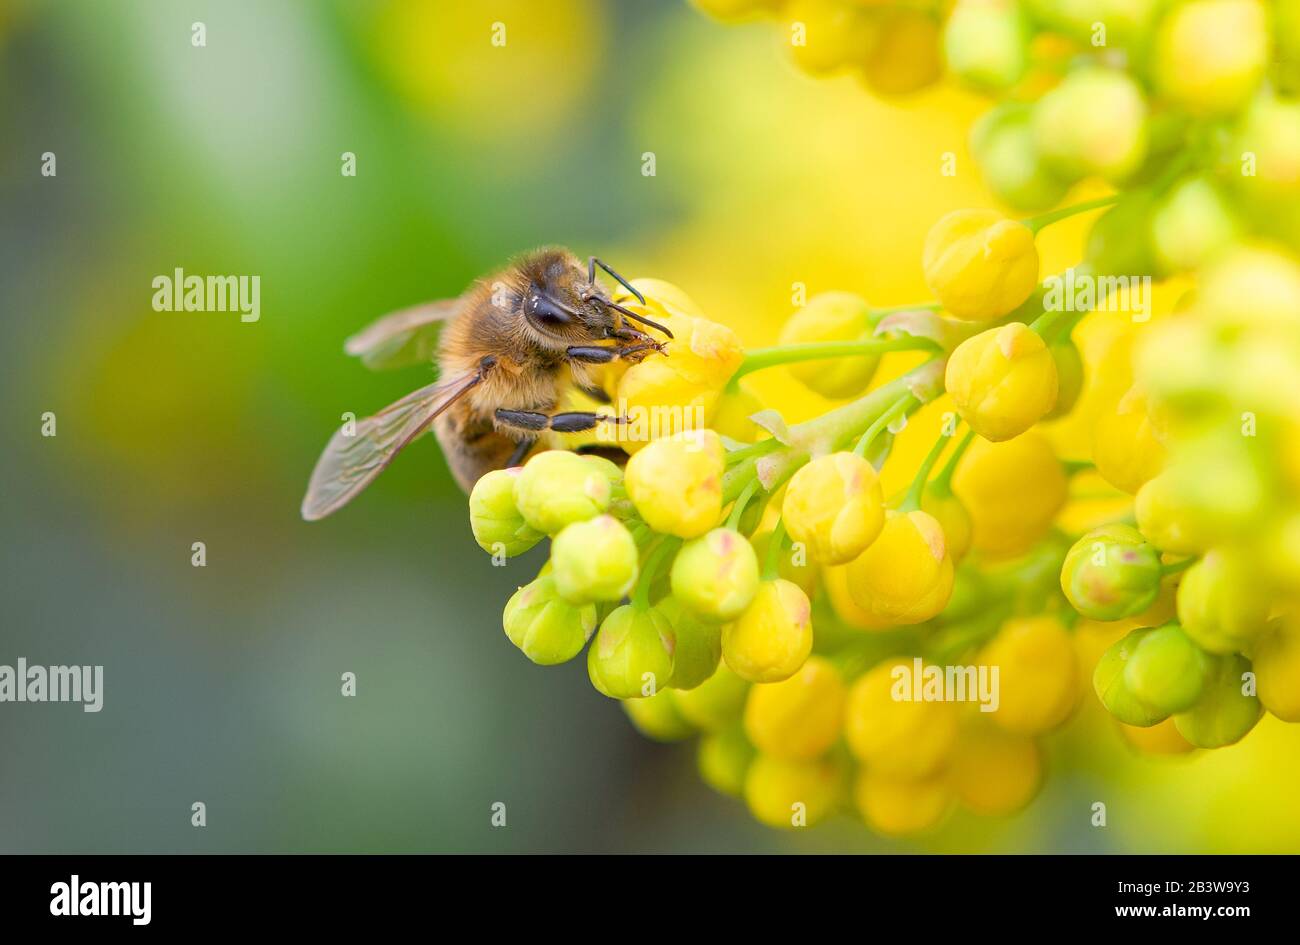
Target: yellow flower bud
(893, 730)
(1211, 54)
(979, 264)
(836, 582)
(832, 316)
(900, 808)
(656, 717)
(789, 794)
(716, 703)
(952, 516)
(835, 507)
(905, 576)
(1038, 674)
(716, 575)
(1126, 447)
(665, 394)
(1252, 289)
(799, 718)
(732, 413)
(1277, 670)
(1002, 381)
(773, 637)
(824, 35)
(906, 55)
(994, 772)
(1223, 603)
(1163, 738)
(676, 482)
(557, 488)
(723, 759)
(1012, 490)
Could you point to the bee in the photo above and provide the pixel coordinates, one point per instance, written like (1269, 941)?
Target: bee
(507, 350)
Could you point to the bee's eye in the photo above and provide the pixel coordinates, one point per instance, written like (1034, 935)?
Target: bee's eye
(545, 310)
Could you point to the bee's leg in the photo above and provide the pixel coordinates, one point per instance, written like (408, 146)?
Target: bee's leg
(517, 457)
(594, 354)
(571, 422)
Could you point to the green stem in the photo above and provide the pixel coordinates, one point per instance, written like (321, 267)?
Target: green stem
(760, 358)
(943, 484)
(1175, 567)
(738, 509)
(885, 419)
(1075, 466)
(641, 593)
(912, 501)
(1037, 223)
(754, 450)
(772, 562)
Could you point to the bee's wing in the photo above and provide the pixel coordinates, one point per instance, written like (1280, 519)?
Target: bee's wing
(350, 463)
(403, 338)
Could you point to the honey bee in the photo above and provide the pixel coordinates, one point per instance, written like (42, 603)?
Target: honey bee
(507, 350)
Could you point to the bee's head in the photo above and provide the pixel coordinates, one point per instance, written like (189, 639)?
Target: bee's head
(565, 306)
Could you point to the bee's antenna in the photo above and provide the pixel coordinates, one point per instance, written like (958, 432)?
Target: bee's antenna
(593, 262)
(635, 317)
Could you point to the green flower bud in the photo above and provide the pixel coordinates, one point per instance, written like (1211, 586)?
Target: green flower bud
(656, 717)
(724, 759)
(1111, 573)
(1224, 713)
(1094, 122)
(1069, 378)
(1003, 144)
(716, 575)
(1108, 679)
(715, 703)
(1210, 55)
(1119, 243)
(1222, 602)
(557, 488)
(632, 655)
(987, 44)
(699, 644)
(494, 518)
(1193, 223)
(1166, 670)
(594, 560)
(546, 627)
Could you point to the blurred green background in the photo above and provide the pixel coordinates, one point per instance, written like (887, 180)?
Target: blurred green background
(222, 683)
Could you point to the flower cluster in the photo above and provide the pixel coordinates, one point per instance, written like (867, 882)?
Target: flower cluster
(748, 582)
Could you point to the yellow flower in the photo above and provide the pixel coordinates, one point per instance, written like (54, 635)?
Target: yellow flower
(994, 772)
(824, 35)
(1210, 55)
(899, 808)
(1038, 674)
(724, 758)
(979, 264)
(832, 316)
(732, 412)
(1002, 381)
(789, 794)
(657, 717)
(835, 507)
(1012, 490)
(894, 731)
(906, 55)
(676, 482)
(773, 637)
(716, 703)
(905, 576)
(798, 718)
(1277, 670)
(1126, 447)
